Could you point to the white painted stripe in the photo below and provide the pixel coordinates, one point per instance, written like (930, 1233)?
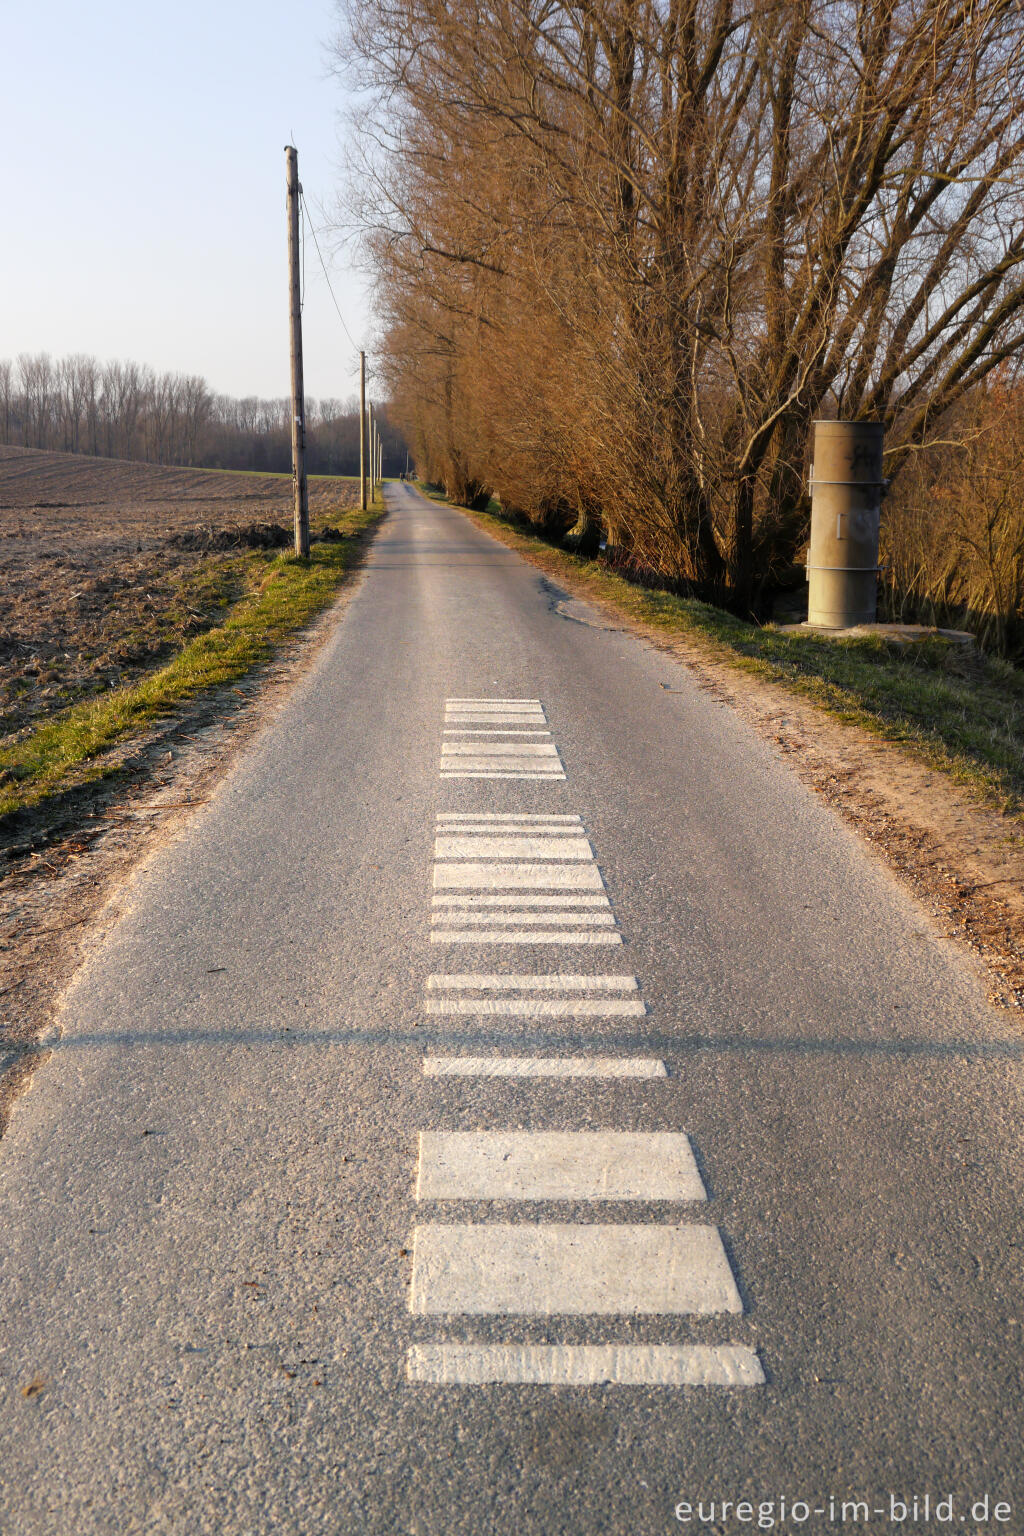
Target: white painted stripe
(552, 981)
(506, 829)
(495, 711)
(537, 936)
(526, 899)
(493, 701)
(543, 817)
(550, 778)
(483, 730)
(557, 1165)
(540, 1007)
(532, 1269)
(498, 749)
(543, 1066)
(585, 1365)
(535, 762)
(497, 717)
(483, 845)
(521, 877)
(527, 919)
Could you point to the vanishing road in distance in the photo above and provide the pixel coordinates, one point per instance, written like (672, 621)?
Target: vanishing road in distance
(514, 1103)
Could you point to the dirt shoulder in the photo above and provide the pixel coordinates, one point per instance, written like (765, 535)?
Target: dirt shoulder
(962, 857)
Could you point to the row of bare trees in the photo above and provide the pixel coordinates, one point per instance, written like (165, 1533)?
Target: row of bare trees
(126, 410)
(627, 250)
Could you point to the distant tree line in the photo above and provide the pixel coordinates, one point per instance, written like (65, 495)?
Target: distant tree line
(627, 251)
(125, 410)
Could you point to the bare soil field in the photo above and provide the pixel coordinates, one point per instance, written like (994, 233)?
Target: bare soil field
(106, 566)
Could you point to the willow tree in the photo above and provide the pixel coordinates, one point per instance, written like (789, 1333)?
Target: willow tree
(648, 241)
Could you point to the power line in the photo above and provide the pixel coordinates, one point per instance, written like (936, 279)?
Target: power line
(341, 317)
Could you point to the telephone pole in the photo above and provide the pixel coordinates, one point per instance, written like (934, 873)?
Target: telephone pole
(298, 401)
(362, 431)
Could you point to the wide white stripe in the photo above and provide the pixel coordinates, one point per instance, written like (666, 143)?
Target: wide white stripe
(543, 1066)
(522, 877)
(541, 817)
(493, 701)
(538, 936)
(551, 981)
(526, 899)
(585, 1365)
(550, 778)
(525, 919)
(491, 717)
(532, 1269)
(506, 829)
(525, 762)
(540, 1007)
(557, 1165)
(525, 749)
(483, 845)
(483, 730)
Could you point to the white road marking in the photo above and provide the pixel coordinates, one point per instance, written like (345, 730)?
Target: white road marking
(542, 817)
(595, 1268)
(584, 1365)
(484, 845)
(536, 936)
(527, 899)
(523, 762)
(527, 919)
(550, 778)
(504, 829)
(525, 877)
(551, 981)
(491, 718)
(543, 1066)
(493, 701)
(499, 749)
(483, 730)
(539, 1007)
(557, 1165)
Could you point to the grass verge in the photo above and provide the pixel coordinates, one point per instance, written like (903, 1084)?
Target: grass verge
(962, 713)
(279, 594)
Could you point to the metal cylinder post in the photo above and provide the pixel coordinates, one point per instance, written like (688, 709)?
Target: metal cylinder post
(846, 498)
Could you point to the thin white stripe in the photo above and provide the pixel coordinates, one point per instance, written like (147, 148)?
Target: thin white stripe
(484, 845)
(480, 774)
(492, 701)
(545, 817)
(596, 1269)
(524, 877)
(521, 764)
(516, 749)
(524, 919)
(552, 981)
(557, 1165)
(543, 1066)
(515, 717)
(527, 899)
(539, 1007)
(585, 1365)
(484, 730)
(539, 936)
(505, 829)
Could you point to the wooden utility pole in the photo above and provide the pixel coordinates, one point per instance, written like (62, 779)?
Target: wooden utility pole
(298, 400)
(362, 430)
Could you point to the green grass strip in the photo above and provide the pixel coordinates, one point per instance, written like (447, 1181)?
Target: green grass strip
(288, 593)
(960, 712)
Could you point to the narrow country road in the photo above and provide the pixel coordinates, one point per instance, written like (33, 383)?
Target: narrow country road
(514, 1104)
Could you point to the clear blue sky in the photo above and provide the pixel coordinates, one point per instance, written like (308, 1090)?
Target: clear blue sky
(143, 187)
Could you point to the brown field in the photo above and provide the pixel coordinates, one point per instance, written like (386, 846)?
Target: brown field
(106, 566)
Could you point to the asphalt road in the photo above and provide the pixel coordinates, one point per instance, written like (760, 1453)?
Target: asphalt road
(214, 1313)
